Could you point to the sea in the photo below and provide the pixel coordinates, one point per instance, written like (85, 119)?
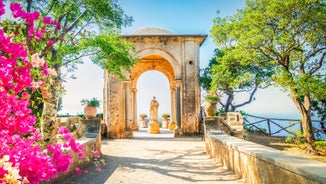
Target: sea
(276, 123)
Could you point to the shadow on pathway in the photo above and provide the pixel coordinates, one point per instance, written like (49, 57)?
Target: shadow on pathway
(155, 158)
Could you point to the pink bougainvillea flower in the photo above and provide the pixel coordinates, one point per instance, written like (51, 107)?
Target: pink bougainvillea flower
(37, 61)
(46, 20)
(63, 130)
(36, 84)
(58, 27)
(16, 10)
(17, 133)
(2, 8)
(96, 153)
(52, 72)
(50, 42)
(78, 171)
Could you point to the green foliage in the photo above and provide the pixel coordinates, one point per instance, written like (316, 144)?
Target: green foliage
(320, 146)
(93, 102)
(165, 115)
(285, 42)
(112, 52)
(251, 129)
(297, 138)
(79, 21)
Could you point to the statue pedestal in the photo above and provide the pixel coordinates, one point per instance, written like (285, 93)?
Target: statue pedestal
(142, 123)
(165, 123)
(153, 127)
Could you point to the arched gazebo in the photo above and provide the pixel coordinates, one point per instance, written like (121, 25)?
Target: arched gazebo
(177, 57)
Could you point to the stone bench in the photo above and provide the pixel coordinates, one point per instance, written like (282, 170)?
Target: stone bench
(260, 164)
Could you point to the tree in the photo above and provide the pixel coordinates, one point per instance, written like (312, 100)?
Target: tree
(22, 159)
(225, 75)
(290, 37)
(64, 44)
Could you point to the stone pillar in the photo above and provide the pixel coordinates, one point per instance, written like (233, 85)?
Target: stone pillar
(178, 130)
(177, 108)
(173, 105)
(127, 109)
(134, 118)
(105, 100)
(128, 131)
(133, 112)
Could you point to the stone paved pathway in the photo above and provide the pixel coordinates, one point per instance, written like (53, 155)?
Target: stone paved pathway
(155, 159)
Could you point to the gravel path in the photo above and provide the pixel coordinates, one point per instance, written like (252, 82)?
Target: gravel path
(155, 159)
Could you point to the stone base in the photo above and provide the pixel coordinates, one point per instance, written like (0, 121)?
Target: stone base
(134, 126)
(153, 127)
(165, 123)
(129, 134)
(172, 125)
(91, 128)
(142, 123)
(177, 132)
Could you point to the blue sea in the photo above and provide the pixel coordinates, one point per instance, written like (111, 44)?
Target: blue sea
(275, 124)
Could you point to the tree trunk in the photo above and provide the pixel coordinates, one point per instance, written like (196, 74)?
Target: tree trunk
(49, 115)
(228, 101)
(305, 112)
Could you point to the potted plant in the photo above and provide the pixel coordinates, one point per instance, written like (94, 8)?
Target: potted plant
(165, 116)
(210, 103)
(165, 123)
(91, 106)
(143, 116)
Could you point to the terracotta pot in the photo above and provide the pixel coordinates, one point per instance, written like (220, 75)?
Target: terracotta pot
(90, 112)
(210, 108)
(143, 116)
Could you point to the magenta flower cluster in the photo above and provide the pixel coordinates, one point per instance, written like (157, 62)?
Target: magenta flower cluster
(30, 18)
(18, 137)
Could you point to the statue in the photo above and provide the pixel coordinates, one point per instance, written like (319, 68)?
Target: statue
(153, 125)
(154, 110)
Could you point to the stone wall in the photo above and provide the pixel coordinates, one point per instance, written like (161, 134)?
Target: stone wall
(260, 164)
(91, 140)
(90, 144)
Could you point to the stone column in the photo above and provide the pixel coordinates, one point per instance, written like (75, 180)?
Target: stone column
(127, 107)
(177, 107)
(133, 111)
(128, 101)
(173, 106)
(134, 105)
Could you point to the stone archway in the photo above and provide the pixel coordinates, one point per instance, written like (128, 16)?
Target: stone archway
(177, 57)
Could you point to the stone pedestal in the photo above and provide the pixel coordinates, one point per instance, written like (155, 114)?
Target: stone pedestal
(91, 128)
(177, 132)
(134, 126)
(153, 127)
(211, 123)
(142, 123)
(165, 123)
(172, 125)
(128, 133)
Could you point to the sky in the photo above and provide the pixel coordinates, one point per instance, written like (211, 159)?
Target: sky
(179, 17)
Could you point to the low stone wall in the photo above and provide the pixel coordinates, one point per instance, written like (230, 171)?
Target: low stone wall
(91, 139)
(90, 144)
(260, 164)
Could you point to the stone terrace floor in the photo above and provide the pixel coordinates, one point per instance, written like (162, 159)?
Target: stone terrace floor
(156, 159)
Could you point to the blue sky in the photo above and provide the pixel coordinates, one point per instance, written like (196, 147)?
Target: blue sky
(180, 17)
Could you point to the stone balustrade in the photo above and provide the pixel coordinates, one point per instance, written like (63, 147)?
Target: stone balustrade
(257, 163)
(91, 139)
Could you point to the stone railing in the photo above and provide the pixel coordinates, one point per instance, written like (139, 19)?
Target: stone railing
(260, 164)
(231, 123)
(87, 133)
